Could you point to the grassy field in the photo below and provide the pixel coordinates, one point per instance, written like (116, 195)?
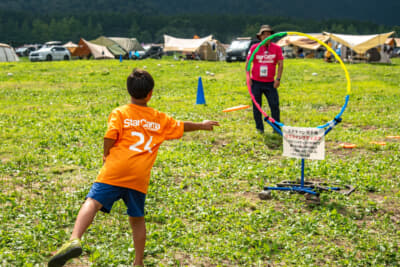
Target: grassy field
(203, 207)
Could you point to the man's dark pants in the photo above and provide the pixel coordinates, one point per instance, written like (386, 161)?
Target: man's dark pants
(271, 93)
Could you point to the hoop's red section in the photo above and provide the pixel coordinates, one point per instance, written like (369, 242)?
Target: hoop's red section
(254, 100)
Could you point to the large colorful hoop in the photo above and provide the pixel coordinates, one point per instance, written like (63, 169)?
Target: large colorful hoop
(282, 34)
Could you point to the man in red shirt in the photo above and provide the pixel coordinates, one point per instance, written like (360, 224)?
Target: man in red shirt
(264, 79)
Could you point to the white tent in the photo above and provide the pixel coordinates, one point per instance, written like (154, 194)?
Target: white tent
(183, 45)
(397, 42)
(70, 44)
(206, 48)
(7, 53)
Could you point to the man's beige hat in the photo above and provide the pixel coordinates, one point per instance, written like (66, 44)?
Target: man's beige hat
(265, 28)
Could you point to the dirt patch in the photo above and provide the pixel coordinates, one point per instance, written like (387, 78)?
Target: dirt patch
(387, 205)
(185, 259)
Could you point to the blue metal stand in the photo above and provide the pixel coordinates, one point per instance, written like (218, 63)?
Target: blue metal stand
(312, 188)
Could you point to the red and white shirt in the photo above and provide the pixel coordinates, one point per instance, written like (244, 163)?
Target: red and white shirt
(264, 62)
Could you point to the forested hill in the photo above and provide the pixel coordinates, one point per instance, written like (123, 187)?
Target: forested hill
(38, 21)
(381, 12)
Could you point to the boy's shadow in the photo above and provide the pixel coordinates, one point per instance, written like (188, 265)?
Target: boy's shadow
(273, 140)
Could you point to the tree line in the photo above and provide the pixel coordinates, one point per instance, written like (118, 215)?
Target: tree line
(18, 28)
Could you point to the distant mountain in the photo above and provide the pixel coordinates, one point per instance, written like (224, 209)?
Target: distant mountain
(381, 12)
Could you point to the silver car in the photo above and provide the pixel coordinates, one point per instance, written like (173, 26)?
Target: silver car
(50, 53)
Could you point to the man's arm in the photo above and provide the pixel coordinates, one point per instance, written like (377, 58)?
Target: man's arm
(277, 81)
(195, 126)
(250, 81)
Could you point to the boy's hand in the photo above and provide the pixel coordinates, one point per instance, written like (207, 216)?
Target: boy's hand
(209, 125)
(195, 126)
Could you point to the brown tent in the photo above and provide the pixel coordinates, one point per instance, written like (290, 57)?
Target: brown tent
(70, 46)
(87, 49)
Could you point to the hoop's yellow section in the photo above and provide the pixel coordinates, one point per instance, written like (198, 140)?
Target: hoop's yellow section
(333, 53)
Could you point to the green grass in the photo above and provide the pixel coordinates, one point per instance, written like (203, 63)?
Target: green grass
(203, 207)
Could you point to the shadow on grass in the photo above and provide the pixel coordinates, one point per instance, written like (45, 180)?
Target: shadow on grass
(272, 140)
(340, 205)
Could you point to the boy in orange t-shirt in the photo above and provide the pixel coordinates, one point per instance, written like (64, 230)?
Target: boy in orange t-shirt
(135, 132)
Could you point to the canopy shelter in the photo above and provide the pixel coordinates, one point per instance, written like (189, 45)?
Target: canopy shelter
(206, 48)
(360, 43)
(183, 45)
(7, 53)
(112, 46)
(302, 46)
(367, 48)
(87, 49)
(302, 41)
(128, 44)
(70, 46)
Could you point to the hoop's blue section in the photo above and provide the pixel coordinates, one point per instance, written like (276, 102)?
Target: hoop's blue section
(274, 126)
(337, 117)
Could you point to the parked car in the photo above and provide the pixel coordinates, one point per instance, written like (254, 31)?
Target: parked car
(396, 52)
(154, 51)
(50, 53)
(24, 51)
(52, 43)
(238, 49)
(287, 52)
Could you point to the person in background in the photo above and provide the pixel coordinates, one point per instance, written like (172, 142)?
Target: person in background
(265, 78)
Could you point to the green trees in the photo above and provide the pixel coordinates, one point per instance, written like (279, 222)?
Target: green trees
(17, 28)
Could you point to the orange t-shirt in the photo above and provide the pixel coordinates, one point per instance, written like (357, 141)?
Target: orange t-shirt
(139, 132)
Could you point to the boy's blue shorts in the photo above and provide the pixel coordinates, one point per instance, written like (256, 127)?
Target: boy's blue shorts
(107, 194)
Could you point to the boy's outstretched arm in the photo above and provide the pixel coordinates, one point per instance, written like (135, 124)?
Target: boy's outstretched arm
(194, 126)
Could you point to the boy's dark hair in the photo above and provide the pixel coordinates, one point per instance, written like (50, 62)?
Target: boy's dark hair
(139, 83)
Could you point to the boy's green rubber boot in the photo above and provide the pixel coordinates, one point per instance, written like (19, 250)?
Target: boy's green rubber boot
(69, 250)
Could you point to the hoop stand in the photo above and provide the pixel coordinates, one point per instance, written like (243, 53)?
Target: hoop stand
(310, 188)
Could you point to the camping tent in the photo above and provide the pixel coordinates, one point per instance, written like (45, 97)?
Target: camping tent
(207, 48)
(7, 53)
(393, 42)
(397, 42)
(367, 47)
(114, 48)
(390, 42)
(70, 46)
(360, 43)
(85, 49)
(183, 45)
(302, 41)
(212, 50)
(128, 44)
(293, 45)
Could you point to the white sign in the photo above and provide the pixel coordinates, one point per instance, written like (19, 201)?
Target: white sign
(304, 143)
